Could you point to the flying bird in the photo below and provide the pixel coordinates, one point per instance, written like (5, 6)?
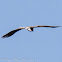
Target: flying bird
(30, 28)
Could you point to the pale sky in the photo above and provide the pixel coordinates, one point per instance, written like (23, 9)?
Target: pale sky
(41, 45)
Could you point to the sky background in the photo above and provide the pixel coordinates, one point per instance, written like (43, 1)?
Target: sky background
(42, 45)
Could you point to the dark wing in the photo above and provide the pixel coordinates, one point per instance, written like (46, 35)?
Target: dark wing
(44, 26)
(10, 33)
(50, 26)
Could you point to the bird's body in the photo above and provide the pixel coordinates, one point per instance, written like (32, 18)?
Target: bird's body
(30, 28)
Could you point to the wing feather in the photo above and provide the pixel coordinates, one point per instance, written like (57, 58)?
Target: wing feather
(10, 33)
(44, 26)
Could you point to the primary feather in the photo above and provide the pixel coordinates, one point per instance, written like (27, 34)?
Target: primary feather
(10, 33)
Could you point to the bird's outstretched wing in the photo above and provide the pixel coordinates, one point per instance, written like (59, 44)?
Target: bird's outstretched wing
(10, 33)
(44, 26)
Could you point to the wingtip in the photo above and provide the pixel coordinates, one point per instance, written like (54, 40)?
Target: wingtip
(55, 26)
(58, 26)
(3, 37)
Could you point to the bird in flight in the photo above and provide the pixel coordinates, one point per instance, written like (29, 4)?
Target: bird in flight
(30, 28)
